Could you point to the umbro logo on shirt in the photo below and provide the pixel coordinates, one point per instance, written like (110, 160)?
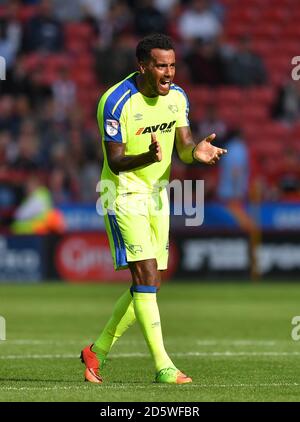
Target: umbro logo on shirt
(138, 116)
(163, 127)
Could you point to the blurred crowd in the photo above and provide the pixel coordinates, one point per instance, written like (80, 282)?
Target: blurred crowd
(61, 56)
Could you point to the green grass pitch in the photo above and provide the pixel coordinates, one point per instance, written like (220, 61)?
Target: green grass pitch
(234, 339)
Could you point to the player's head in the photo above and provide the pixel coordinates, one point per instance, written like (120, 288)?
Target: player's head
(156, 60)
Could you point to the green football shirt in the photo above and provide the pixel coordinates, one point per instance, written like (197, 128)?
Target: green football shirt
(126, 115)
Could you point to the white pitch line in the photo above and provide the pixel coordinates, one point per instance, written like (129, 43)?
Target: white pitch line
(236, 342)
(200, 342)
(127, 386)
(128, 355)
(42, 342)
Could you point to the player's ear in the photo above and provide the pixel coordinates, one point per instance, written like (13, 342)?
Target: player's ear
(142, 67)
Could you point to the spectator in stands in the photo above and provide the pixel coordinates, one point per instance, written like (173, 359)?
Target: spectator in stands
(287, 103)
(117, 21)
(8, 119)
(62, 157)
(212, 123)
(234, 170)
(198, 21)
(64, 94)
(59, 186)
(244, 67)
(10, 34)
(18, 81)
(36, 214)
(44, 32)
(5, 143)
(95, 12)
(23, 115)
(39, 90)
(148, 19)
(67, 10)
(8, 192)
(8, 44)
(289, 175)
(51, 132)
(89, 178)
(205, 63)
(27, 158)
(116, 61)
(31, 2)
(233, 186)
(166, 6)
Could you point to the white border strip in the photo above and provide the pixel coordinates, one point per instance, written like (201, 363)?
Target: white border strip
(126, 386)
(141, 355)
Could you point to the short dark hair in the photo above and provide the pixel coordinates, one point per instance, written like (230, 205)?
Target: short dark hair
(144, 47)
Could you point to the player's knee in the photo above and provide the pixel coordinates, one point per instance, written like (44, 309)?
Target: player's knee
(145, 272)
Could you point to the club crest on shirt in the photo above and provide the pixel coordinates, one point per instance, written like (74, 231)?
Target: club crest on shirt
(173, 108)
(135, 248)
(111, 127)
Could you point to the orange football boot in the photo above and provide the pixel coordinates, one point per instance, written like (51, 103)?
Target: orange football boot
(93, 364)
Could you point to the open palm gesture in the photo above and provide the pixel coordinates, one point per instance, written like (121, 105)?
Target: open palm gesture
(206, 152)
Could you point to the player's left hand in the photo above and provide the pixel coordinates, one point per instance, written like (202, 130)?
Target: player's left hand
(206, 153)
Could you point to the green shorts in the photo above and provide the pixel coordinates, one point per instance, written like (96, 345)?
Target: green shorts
(138, 229)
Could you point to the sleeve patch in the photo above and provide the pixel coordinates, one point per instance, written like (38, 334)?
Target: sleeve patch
(111, 127)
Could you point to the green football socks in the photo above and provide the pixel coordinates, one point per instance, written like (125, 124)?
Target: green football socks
(147, 314)
(122, 318)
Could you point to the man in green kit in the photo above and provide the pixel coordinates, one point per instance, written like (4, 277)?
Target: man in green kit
(140, 118)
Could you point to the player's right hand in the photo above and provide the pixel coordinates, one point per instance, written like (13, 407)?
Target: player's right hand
(155, 149)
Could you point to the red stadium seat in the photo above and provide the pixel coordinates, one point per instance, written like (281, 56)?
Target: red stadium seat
(85, 60)
(27, 12)
(265, 31)
(262, 48)
(295, 134)
(77, 47)
(84, 80)
(280, 63)
(79, 31)
(229, 3)
(267, 147)
(291, 32)
(230, 115)
(242, 15)
(254, 113)
(32, 61)
(235, 30)
(260, 95)
(200, 95)
(229, 95)
(276, 131)
(57, 61)
(197, 113)
(49, 76)
(275, 15)
(2, 11)
(251, 3)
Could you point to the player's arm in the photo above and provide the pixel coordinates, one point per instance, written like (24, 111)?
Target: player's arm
(190, 151)
(118, 161)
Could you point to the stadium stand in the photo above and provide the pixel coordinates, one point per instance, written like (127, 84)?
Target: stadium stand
(271, 26)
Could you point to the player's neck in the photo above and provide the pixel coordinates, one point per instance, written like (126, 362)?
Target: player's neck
(142, 86)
